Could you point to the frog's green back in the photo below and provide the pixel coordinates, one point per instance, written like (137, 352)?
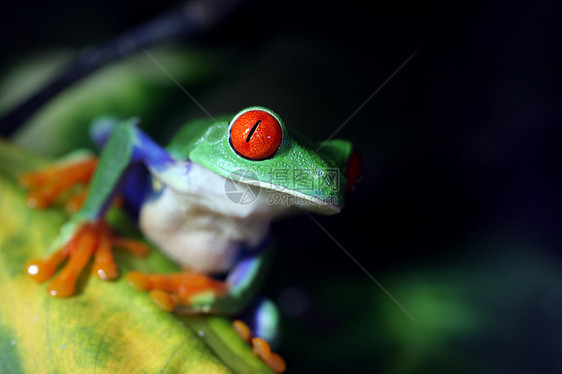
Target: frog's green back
(190, 134)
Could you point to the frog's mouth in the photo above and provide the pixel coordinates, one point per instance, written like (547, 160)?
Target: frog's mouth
(283, 197)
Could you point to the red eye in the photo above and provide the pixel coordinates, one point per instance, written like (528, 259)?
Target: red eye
(256, 134)
(353, 171)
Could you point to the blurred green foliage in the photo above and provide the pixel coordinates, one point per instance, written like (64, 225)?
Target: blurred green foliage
(138, 86)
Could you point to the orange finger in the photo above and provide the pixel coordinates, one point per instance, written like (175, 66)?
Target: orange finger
(104, 264)
(42, 269)
(276, 363)
(81, 249)
(74, 203)
(136, 247)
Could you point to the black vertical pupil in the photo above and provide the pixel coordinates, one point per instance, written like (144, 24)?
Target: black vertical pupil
(253, 130)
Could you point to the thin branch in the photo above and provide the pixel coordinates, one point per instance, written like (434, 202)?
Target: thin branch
(191, 19)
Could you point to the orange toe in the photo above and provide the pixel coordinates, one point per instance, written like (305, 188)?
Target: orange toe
(164, 300)
(62, 287)
(81, 249)
(136, 247)
(75, 202)
(242, 330)
(104, 264)
(276, 363)
(42, 269)
(261, 348)
(139, 281)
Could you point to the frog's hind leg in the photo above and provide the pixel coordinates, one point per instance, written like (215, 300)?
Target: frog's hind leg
(48, 184)
(191, 292)
(259, 325)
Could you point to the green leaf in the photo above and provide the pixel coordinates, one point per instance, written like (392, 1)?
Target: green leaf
(107, 326)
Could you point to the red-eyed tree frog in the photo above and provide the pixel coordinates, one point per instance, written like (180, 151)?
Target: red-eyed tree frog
(206, 201)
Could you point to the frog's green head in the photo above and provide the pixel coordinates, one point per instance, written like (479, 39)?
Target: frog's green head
(256, 148)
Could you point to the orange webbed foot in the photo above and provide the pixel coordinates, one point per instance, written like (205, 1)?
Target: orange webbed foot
(179, 290)
(91, 240)
(260, 347)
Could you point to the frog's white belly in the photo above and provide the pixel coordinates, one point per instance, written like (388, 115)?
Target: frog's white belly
(199, 227)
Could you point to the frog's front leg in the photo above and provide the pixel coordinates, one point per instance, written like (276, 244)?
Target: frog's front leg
(90, 239)
(86, 235)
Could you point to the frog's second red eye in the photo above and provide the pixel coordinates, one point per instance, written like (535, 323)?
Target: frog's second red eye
(256, 134)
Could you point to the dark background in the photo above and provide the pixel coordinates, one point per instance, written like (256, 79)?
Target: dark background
(459, 212)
